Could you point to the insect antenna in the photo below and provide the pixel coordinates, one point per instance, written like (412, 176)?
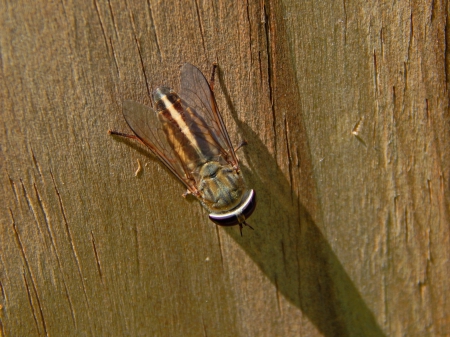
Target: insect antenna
(248, 225)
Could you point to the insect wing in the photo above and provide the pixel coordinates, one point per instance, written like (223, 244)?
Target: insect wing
(196, 92)
(144, 122)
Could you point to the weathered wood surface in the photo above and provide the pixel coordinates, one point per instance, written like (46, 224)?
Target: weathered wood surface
(351, 231)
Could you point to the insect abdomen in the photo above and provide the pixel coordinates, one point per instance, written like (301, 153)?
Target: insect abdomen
(183, 128)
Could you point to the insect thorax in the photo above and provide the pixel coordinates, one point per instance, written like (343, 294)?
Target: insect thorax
(221, 187)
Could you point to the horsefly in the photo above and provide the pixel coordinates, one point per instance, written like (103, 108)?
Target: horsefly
(188, 135)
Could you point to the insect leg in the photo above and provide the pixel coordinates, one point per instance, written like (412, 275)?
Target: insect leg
(117, 133)
(211, 81)
(241, 144)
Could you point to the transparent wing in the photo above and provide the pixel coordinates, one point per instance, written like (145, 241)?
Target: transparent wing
(196, 92)
(145, 124)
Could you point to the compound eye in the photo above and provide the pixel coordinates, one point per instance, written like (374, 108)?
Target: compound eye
(238, 215)
(250, 205)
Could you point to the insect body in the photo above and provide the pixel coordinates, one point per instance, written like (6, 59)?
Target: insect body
(188, 135)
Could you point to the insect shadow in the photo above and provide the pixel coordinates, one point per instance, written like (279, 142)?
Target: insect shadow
(290, 249)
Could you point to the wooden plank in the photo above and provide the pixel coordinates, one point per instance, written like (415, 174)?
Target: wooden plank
(345, 108)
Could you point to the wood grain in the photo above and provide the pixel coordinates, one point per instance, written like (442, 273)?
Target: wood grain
(345, 107)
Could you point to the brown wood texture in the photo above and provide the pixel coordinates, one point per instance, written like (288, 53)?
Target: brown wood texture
(346, 110)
